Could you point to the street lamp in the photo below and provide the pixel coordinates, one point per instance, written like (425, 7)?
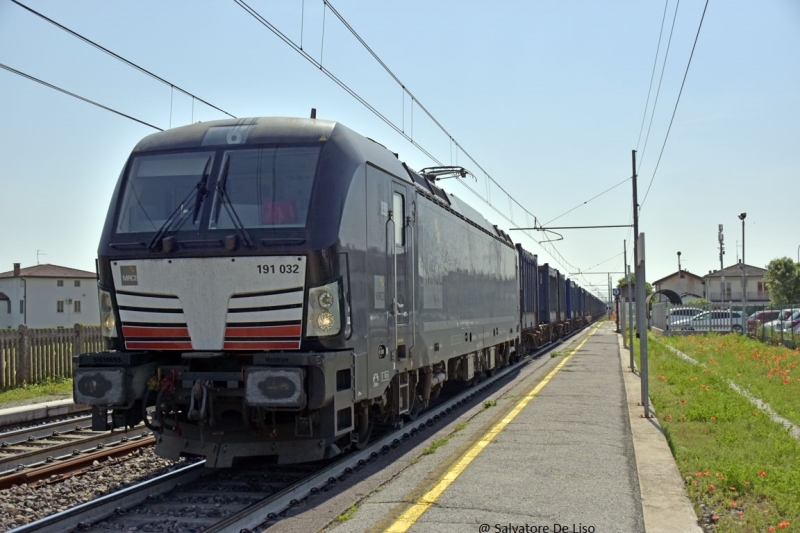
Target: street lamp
(744, 276)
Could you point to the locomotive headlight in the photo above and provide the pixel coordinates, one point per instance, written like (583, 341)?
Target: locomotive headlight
(108, 323)
(326, 321)
(323, 316)
(325, 299)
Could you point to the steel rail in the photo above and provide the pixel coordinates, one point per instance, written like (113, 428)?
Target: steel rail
(105, 506)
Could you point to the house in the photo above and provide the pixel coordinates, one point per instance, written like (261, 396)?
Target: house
(623, 291)
(726, 285)
(685, 284)
(48, 296)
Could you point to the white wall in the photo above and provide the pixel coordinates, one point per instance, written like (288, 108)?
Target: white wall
(13, 288)
(41, 296)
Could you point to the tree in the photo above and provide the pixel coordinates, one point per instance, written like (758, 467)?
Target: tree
(783, 281)
(697, 302)
(648, 289)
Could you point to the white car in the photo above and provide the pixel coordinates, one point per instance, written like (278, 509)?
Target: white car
(677, 314)
(788, 322)
(719, 320)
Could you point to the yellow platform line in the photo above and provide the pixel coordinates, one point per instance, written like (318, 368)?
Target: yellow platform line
(412, 514)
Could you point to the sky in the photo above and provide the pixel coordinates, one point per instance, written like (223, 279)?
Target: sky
(548, 99)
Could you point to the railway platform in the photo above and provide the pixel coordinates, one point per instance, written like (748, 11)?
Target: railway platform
(38, 411)
(565, 449)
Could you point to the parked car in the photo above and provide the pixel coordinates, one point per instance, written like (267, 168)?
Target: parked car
(676, 314)
(788, 320)
(717, 320)
(765, 315)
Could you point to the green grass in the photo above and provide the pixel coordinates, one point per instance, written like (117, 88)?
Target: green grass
(51, 387)
(435, 445)
(737, 464)
(489, 403)
(770, 373)
(348, 514)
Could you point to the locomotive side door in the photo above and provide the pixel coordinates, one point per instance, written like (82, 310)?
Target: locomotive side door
(387, 264)
(401, 305)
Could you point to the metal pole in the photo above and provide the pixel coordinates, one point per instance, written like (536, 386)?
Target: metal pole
(622, 307)
(641, 313)
(744, 279)
(630, 316)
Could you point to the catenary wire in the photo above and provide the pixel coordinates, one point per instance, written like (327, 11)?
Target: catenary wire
(675, 109)
(653, 73)
(658, 91)
(253, 13)
(55, 87)
(119, 57)
(587, 201)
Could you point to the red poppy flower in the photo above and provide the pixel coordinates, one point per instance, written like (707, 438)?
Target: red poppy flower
(762, 474)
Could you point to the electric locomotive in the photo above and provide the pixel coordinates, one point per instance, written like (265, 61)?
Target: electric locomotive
(280, 286)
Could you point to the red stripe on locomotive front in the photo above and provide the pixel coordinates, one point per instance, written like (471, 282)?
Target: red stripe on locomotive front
(144, 332)
(158, 345)
(264, 331)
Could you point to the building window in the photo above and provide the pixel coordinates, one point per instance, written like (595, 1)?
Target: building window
(60, 283)
(77, 283)
(77, 308)
(21, 307)
(762, 287)
(725, 289)
(60, 306)
(9, 306)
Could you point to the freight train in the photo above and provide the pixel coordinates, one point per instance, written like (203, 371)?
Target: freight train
(281, 286)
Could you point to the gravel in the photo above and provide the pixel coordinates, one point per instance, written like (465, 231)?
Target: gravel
(20, 505)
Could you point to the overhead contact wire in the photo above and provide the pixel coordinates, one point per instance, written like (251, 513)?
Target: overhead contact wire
(652, 74)
(55, 87)
(675, 109)
(119, 57)
(658, 91)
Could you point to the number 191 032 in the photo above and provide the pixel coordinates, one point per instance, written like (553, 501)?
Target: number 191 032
(279, 269)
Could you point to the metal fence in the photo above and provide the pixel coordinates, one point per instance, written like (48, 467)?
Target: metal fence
(767, 323)
(717, 318)
(36, 355)
(775, 324)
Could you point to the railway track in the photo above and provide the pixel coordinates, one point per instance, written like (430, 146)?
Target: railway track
(193, 498)
(33, 453)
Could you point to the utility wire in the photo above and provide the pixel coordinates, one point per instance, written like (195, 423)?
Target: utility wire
(119, 57)
(253, 13)
(50, 85)
(415, 100)
(658, 91)
(587, 201)
(652, 74)
(685, 74)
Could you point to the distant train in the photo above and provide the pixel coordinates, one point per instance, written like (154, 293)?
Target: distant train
(280, 286)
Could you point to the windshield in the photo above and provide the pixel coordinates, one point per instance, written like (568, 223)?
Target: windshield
(267, 187)
(156, 186)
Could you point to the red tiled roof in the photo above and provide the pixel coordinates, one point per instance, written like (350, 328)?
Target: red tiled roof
(50, 271)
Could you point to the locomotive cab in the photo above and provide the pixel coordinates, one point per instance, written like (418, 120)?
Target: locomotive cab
(225, 291)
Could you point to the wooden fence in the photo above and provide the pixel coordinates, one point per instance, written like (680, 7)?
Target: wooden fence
(36, 355)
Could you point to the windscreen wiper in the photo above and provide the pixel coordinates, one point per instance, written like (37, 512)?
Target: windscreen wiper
(181, 211)
(226, 201)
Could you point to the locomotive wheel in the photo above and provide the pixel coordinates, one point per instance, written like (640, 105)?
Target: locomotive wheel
(362, 434)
